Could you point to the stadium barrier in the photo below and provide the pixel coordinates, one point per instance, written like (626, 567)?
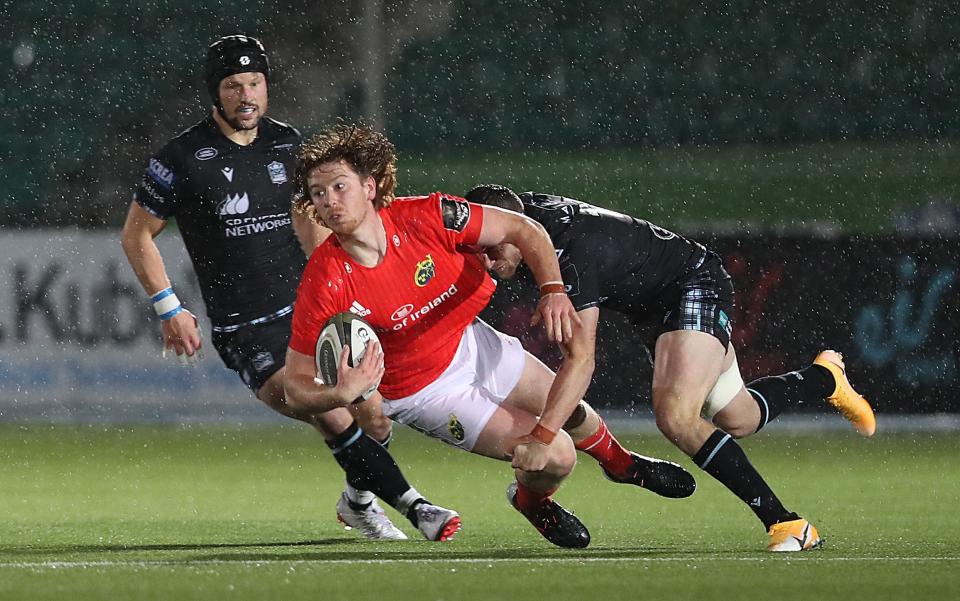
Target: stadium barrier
(79, 340)
(889, 304)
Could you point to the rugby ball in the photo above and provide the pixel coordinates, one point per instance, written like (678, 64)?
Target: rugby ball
(340, 330)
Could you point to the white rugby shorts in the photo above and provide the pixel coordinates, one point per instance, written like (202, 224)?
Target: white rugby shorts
(457, 405)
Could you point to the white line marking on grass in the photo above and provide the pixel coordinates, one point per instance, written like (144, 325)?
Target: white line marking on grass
(437, 560)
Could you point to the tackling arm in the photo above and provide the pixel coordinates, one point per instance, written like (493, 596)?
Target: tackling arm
(180, 331)
(554, 309)
(576, 371)
(530, 452)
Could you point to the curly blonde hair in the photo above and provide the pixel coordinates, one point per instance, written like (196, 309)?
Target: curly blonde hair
(368, 152)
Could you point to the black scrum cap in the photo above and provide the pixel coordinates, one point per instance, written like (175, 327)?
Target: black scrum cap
(234, 54)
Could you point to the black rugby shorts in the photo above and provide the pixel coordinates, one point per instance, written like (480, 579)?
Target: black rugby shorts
(255, 352)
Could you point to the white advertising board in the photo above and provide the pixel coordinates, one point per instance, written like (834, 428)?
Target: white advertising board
(79, 339)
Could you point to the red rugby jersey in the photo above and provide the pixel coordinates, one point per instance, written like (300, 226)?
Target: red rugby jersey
(419, 299)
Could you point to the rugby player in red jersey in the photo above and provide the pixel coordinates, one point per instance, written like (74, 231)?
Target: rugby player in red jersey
(225, 181)
(409, 266)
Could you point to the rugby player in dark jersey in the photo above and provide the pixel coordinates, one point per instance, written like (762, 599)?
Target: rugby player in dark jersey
(700, 402)
(228, 181)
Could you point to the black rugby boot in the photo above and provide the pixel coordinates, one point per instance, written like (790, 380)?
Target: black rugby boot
(665, 478)
(555, 523)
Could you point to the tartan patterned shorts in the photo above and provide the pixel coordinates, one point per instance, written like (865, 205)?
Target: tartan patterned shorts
(706, 300)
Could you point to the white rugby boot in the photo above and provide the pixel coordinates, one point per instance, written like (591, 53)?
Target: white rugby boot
(371, 521)
(437, 523)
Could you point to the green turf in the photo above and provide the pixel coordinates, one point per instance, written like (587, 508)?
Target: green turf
(859, 189)
(207, 512)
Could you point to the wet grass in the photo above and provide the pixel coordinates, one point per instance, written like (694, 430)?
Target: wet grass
(206, 512)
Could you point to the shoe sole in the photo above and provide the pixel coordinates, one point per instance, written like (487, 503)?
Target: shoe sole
(815, 545)
(449, 530)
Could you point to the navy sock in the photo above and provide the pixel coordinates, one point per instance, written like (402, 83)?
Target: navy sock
(774, 393)
(721, 457)
(368, 465)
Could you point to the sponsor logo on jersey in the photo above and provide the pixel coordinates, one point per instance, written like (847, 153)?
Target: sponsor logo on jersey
(661, 233)
(205, 154)
(234, 204)
(455, 428)
(396, 240)
(456, 213)
(425, 272)
(432, 304)
(402, 312)
(357, 309)
(278, 173)
(151, 190)
(160, 174)
(237, 227)
(227, 173)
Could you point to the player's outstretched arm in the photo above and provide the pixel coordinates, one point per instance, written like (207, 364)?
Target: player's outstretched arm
(304, 391)
(568, 388)
(180, 331)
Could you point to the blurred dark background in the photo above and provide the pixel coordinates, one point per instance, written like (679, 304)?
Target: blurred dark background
(718, 109)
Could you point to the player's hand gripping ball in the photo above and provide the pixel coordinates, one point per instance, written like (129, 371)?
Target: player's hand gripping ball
(340, 330)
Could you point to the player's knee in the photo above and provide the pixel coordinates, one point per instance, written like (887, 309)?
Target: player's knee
(735, 430)
(376, 426)
(674, 415)
(332, 423)
(563, 455)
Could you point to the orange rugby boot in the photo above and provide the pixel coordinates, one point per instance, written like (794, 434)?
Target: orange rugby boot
(847, 400)
(795, 535)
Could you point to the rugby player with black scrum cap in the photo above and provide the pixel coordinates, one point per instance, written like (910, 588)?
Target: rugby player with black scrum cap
(701, 404)
(228, 181)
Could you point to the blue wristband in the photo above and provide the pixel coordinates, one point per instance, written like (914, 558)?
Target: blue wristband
(166, 304)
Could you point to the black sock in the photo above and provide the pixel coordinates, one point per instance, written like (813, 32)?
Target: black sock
(773, 393)
(368, 465)
(412, 512)
(722, 458)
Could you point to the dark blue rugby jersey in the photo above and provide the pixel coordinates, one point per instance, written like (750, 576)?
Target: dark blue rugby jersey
(232, 206)
(611, 259)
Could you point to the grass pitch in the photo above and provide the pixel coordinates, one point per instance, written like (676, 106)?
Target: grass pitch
(207, 512)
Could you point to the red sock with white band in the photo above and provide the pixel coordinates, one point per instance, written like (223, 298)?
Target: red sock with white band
(607, 450)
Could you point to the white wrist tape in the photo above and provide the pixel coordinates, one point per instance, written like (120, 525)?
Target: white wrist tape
(166, 304)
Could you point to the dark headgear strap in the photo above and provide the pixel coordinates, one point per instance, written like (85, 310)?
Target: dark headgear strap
(230, 55)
